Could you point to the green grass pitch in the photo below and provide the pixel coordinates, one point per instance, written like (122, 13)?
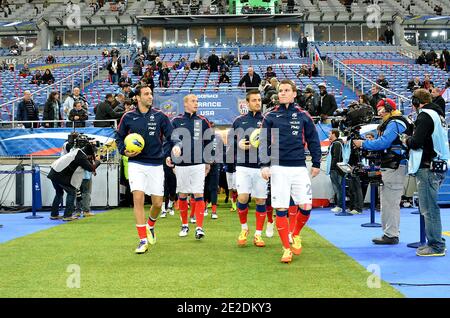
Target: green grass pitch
(103, 248)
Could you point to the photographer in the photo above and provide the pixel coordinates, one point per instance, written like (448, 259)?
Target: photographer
(429, 151)
(67, 174)
(393, 168)
(334, 156)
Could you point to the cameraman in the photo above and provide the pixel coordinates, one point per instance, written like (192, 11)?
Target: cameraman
(67, 174)
(393, 168)
(429, 144)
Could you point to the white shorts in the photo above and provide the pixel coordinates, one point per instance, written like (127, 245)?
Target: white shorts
(190, 179)
(148, 179)
(249, 180)
(231, 180)
(290, 181)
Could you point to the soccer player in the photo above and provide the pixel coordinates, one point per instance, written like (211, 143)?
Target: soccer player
(191, 169)
(170, 191)
(145, 168)
(231, 181)
(282, 155)
(248, 177)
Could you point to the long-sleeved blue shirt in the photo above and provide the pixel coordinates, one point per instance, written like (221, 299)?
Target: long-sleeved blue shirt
(242, 128)
(387, 139)
(152, 126)
(289, 129)
(196, 126)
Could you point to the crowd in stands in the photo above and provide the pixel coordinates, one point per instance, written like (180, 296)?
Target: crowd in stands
(38, 78)
(5, 9)
(441, 61)
(6, 67)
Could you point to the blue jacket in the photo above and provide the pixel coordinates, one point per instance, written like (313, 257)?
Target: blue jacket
(196, 125)
(152, 126)
(242, 128)
(295, 129)
(386, 140)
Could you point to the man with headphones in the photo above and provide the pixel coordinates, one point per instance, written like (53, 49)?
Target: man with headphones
(393, 166)
(428, 160)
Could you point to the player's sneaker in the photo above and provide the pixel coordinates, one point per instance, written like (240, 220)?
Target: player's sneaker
(336, 209)
(269, 229)
(233, 206)
(354, 212)
(70, 218)
(209, 205)
(171, 211)
(193, 220)
(290, 238)
(184, 231)
(205, 213)
(199, 233)
(56, 217)
(88, 214)
(142, 247)
(242, 239)
(151, 237)
(163, 214)
(214, 216)
(287, 255)
(258, 241)
(296, 245)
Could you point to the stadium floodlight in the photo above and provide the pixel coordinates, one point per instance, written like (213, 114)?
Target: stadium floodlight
(158, 44)
(206, 44)
(190, 44)
(30, 45)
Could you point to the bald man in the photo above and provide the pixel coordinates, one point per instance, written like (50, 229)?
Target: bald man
(251, 80)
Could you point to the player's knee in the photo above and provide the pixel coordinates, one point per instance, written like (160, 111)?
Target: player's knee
(282, 213)
(260, 201)
(305, 209)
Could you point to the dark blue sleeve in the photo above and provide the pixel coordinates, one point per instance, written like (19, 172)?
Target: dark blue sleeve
(171, 142)
(312, 138)
(121, 133)
(265, 142)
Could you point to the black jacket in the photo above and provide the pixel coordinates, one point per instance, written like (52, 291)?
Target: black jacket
(336, 154)
(440, 101)
(123, 81)
(424, 127)
(49, 113)
(374, 101)
(383, 83)
(81, 122)
(118, 70)
(250, 84)
(327, 105)
(104, 111)
(213, 62)
(303, 42)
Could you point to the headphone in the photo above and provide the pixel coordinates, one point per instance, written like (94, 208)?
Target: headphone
(415, 101)
(387, 106)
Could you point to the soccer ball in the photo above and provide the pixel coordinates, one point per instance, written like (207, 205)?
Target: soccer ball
(254, 138)
(134, 143)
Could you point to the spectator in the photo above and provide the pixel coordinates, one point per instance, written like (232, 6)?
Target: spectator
(437, 98)
(269, 73)
(438, 9)
(422, 59)
(148, 79)
(58, 42)
(105, 52)
(48, 77)
(25, 71)
(4, 66)
(213, 62)
(327, 102)
(77, 115)
(11, 67)
(273, 56)
(231, 59)
(447, 84)
(37, 78)
(27, 110)
(375, 98)
(282, 56)
(118, 104)
(303, 71)
(115, 69)
(363, 100)
(245, 56)
(164, 78)
(251, 79)
(50, 59)
(125, 79)
(224, 78)
(389, 35)
(382, 81)
(427, 82)
(446, 55)
(104, 111)
(127, 91)
(314, 71)
(267, 91)
(115, 52)
(52, 110)
(138, 65)
(414, 84)
(303, 45)
(144, 43)
(71, 99)
(195, 65)
(334, 156)
(431, 57)
(311, 101)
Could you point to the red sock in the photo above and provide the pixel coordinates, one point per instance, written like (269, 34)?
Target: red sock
(214, 208)
(283, 230)
(199, 210)
(269, 210)
(151, 222)
(260, 218)
(234, 196)
(243, 215)
(192, 208)
(301, 221)
(292, 217)
(142, 231)
(183, 205)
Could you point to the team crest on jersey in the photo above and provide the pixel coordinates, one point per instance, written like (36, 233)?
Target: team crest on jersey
(152, 117)
(242, 106)
(294, 115)
(259, 124)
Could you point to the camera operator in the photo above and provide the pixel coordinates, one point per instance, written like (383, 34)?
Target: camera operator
(393, 170)
(428, 160)
(67, 174)
(334, 156)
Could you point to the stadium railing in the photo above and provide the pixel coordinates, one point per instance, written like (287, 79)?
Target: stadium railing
(359, 80)
(93, 69)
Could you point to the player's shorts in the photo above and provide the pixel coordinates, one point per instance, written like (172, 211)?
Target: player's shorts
(231, 180)
(290, 181)
(190, 179)
(146, 178)
(249, 180)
